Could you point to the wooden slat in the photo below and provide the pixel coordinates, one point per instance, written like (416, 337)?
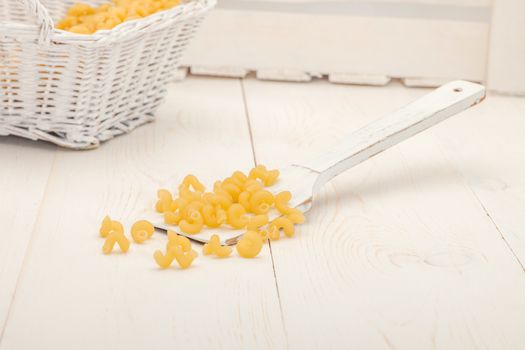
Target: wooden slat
(492, 159)
(26, 167)
(506, 68)
(397, 253)
(72, 296)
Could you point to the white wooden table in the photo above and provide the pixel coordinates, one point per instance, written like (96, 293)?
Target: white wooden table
(422, 247)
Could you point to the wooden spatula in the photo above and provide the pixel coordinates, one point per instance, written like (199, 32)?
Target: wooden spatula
(303, 179)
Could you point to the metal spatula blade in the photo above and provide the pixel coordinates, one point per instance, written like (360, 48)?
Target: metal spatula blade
(303, 179)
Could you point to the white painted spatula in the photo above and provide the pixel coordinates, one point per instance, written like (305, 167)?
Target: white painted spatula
(303, 179)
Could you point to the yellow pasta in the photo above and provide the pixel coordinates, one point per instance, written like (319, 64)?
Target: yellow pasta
(209, 214)
(184, 259)
(261, 202)
(84, 19)
(285, 224)
(217, 199)
(252, 185)
(244, 200)
(163, 260)
(177, 240)
(296, 216)
(165, 200)
(256, 222)
(240, 176)
(192, 223)
(109, 225)
(237, 216)
(115, 237)
(214, 247)
(192, 181)
(250, 245)
(217, 188)
(142, 230)
(268, 177)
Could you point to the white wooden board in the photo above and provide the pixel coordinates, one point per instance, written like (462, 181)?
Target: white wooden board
(26, 168)
(71, 296)
(492, 160)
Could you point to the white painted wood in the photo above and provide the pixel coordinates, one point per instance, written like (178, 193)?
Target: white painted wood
(506, 64)
(427, 111)
(359, 79)
(221, 71)
(324, 43)
(284, 75)
(492, 160)
(397, 253)
(26, 167)
(71, 296)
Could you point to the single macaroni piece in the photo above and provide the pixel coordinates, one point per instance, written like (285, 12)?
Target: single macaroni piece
(192, 181)
(250, 245)
(163, 260)
(285, 224)
(165, 200)
(178, 248)
(193, 222)
(142, 230)
(296, 216)
(184, 259)
(268, 177)
(261, 202)
(115, 237)
(281, 202)
(109, 225)
(237, 216)
(214, 247)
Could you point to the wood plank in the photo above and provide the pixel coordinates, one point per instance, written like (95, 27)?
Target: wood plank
(492, 160)
(417, 48)
(506, 71)
(398, 252)
(26, 166)
(72, 296)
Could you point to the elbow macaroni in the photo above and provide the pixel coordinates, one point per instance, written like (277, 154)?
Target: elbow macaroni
(239, 201)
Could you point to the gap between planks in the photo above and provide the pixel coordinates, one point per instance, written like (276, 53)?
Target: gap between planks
(249, 125)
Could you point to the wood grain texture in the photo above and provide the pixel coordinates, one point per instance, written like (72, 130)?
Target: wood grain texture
(71, 296)
(397, 253)
(492, 160)
(26, 167)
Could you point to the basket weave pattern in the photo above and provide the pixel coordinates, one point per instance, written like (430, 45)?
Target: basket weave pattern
(78, 90)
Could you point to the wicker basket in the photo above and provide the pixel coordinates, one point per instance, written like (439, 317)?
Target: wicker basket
(78, 90)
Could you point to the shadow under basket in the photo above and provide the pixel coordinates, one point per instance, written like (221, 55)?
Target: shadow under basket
(79, 90)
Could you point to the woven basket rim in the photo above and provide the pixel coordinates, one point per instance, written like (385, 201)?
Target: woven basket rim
(134, 27)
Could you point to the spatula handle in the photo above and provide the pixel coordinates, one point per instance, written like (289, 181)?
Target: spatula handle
(400, 125)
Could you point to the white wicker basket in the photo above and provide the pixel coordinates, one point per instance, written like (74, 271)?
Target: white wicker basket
(78, 90)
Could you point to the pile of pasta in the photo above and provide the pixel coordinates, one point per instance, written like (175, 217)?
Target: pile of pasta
(239, 202)
(85, 19)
